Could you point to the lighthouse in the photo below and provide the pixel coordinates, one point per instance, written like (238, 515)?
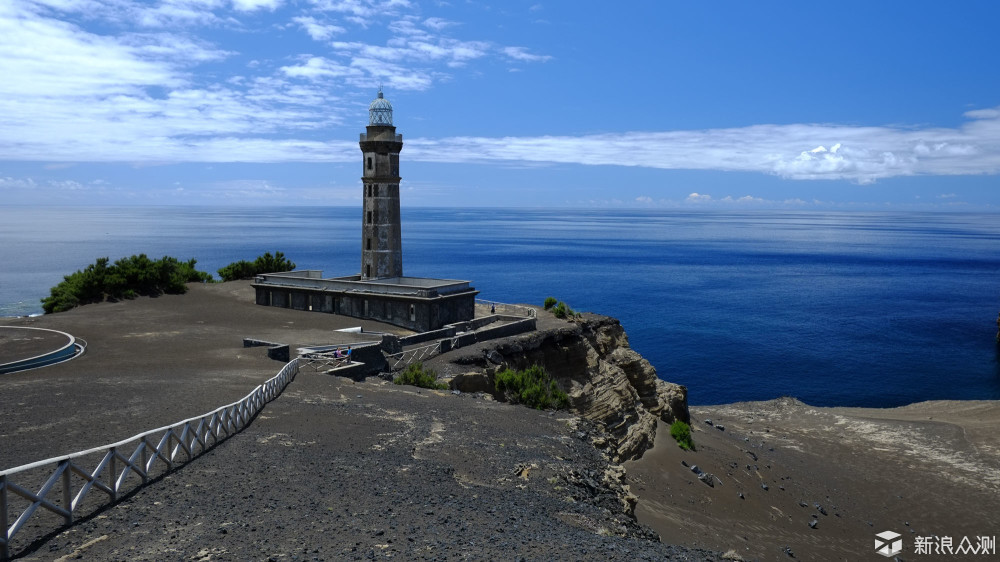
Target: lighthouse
(380, 292)
(381, 236)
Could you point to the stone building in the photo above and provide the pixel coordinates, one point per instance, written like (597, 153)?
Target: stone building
(379, 291)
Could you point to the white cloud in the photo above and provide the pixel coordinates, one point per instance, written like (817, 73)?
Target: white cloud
(437, 24)
(71, 91)
(862, 154)
(698, 198)
(316, 30)
(522, 54)
(251, 5)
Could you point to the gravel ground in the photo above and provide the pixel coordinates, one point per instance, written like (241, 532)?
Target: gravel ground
(331, 470)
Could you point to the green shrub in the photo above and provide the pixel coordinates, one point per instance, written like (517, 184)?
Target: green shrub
(681, 432)
(127, 278)
(550, 302)
(415, 375)
(263, 264)
(533, 387)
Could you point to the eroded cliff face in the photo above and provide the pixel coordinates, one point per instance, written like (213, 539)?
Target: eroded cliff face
(606, 380)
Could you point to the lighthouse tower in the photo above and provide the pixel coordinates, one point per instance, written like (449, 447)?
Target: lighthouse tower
(381, 239)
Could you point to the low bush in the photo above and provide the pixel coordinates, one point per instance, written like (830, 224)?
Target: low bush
(416, 375)
(533, 387)
(560, 309)
(127, 278)
(681, 432)
(263, 264)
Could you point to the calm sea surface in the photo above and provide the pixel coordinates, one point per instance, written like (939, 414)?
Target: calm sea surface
(861, 309)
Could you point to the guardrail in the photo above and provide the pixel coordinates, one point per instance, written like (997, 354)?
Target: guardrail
(509, 309)
(399, 361)
(67, 485)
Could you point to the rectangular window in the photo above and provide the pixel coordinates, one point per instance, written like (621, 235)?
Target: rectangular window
(413, 313)
(368, 246)
(369, 217)
(369, 162)
(375, 193)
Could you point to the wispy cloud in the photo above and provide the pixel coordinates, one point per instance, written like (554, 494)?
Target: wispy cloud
(795, 151)
(316, 29)
(71, 92)
(522, 54)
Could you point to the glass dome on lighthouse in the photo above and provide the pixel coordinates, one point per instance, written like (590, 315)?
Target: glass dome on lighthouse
(380, 111)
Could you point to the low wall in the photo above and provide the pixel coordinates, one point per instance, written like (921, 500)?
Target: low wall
(505, 330)
(423, 337)
(276, 351)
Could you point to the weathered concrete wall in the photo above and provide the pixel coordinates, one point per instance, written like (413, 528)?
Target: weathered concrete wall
(276, 351)
(505, 330)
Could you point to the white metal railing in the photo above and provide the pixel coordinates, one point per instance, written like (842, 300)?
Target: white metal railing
(172, 445)
(508, 309)
(401, 360)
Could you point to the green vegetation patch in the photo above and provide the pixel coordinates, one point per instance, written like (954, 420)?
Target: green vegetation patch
(533, 387)
(266, 263)
(681, 432)
(127, 278)
(560, 309)
(416, 375)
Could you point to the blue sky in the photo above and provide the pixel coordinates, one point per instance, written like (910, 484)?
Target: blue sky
(845, 105)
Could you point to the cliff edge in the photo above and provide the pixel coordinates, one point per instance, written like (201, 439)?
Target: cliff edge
(590, 358)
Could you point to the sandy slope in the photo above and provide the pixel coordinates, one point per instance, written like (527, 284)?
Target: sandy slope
(925, 469)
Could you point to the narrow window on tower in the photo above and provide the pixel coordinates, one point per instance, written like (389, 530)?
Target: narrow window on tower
(369, 217)
(369, 162)
(375, 192)
(369, 245)
(376, 215)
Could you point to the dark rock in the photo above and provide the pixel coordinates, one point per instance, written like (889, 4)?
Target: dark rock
(720, 427)
(707, 478)
(764, 486)
(709, 422)
(812, 523)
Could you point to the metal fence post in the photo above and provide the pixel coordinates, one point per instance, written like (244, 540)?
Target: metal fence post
(67, 492)
(113, 474)
(4, 538)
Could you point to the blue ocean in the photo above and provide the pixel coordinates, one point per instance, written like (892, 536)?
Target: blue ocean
(834, 308)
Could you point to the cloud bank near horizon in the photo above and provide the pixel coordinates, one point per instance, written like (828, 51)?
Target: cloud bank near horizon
(137, 92)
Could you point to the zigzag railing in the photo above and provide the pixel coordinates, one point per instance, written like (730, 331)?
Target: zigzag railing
(401, 360)
(146, 456)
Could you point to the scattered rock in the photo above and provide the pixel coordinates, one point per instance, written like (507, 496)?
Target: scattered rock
(695, 469)
(812, 523)
(709, 422)
(720, 427)
(708, 478)
(764, 487)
